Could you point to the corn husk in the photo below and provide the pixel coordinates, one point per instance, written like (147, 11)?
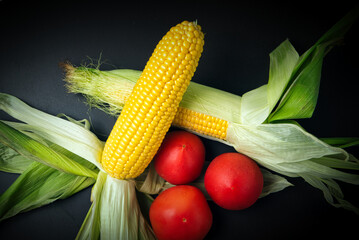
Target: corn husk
(262, 121)
(115, 212)
(67, 134)
(51, 171)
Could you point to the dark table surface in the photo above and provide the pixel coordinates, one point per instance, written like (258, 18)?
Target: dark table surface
(35, 36)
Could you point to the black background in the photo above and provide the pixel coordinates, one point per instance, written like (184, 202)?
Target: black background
(35, 36)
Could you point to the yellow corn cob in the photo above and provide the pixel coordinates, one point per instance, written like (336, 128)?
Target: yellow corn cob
(153, 103)
(201, 123)
(116, 95)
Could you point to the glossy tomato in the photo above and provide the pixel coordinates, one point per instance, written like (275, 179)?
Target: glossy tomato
(180, 158)
(180, 212)
(233, 181)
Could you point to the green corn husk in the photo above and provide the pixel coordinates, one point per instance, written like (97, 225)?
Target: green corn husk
(48, 171)
(261, 122)
(11, 161)
(36, 151)
(67, 134)
(39, 185)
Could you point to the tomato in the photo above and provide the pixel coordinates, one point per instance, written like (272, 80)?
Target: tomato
(180, 212)
(233, 181)
(180, 158)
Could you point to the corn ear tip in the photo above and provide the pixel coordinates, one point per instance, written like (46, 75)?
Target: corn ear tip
(67, 67)
(196, 25)
(69, 71)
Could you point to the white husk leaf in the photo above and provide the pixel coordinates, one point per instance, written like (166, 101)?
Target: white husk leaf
(254, 106)
(120, 215)
(273, 144)
(115, 212)
(211, 101)
(90, 229)
(152, 182)
(331, 191)
(273, 183)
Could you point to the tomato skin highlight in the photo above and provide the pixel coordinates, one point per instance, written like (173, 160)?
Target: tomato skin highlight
(180, 158)
(180, 212)
(233, 181)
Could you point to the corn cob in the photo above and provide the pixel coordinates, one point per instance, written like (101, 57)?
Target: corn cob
(153, 102)
(109, 90)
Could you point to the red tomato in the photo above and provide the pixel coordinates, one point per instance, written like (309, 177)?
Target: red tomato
(180, 212)
(233, 181)
(180, 158)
